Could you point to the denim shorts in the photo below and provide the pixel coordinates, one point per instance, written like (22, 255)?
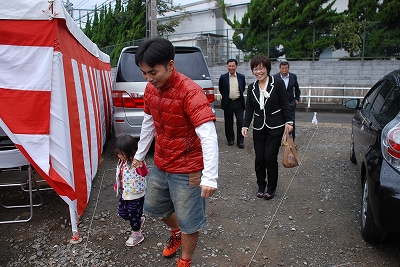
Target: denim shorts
(167, 193)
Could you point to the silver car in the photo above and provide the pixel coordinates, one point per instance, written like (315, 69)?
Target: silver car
(129, 86)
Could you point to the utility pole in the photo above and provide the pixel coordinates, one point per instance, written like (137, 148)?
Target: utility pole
(151, 18)
(69, 7)
(153, 28)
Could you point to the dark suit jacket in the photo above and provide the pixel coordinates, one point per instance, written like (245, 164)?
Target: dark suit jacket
(224, 88)
(276, 110)
(292, 90)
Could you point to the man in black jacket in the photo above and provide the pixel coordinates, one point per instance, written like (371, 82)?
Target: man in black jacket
(292, 89)
(231, 86)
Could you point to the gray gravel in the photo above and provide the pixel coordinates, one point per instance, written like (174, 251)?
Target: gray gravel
(312, 221)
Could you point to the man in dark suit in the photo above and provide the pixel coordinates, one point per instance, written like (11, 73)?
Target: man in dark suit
(231, 86)
(292, 89)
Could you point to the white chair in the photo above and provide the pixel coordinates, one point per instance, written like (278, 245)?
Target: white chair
(15, 171)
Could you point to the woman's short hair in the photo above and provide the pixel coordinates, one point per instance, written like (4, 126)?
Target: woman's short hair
(260, 60)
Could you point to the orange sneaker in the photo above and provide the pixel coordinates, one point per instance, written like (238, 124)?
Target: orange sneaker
(184, 263)
(173, 244)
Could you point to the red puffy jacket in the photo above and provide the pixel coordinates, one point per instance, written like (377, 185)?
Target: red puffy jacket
(177, 109)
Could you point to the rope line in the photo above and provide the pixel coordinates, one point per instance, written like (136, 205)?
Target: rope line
(280, 203)
(93, 215)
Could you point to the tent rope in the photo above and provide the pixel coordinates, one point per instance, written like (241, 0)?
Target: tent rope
(93, 215)
(280, 203)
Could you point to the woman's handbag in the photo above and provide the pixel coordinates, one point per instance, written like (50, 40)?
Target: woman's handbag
(290, 155)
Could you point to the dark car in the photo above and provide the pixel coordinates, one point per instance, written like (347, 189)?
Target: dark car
(375, 147)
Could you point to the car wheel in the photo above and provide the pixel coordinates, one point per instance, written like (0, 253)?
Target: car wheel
(352, 154)
(369, 230)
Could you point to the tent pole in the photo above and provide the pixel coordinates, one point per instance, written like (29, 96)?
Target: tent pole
(74, 225)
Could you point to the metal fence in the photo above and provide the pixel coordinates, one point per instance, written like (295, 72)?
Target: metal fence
(336, 95)
(321, 94)
(218, 46)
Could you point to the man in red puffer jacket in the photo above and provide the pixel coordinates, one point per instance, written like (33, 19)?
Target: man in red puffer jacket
(178, 115)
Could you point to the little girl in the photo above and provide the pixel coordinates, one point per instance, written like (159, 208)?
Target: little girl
(130, 184)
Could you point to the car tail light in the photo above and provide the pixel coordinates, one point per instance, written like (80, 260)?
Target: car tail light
(391, 142)
(394, 142)
(123, 99)
(210, 94)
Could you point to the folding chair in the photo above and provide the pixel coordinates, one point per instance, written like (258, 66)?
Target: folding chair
(15, 171)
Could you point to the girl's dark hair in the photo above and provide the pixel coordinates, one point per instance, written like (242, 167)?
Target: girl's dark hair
(260, 59)
(127, 145)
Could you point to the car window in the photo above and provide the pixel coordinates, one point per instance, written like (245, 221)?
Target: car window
(192, 65)
(381, 96)
(189, 62)
(127, 69)
(370, 97)
(391, 107)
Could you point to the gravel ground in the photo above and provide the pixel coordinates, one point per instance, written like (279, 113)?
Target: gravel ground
(312, 221)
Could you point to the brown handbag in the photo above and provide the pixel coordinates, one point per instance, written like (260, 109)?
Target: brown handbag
(290, 157)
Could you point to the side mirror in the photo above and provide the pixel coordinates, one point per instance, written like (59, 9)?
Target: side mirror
(352, 103)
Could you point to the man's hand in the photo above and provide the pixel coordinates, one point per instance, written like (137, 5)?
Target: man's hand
(244, 132)
(207, 191)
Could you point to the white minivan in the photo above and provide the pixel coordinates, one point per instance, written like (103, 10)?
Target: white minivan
(129, 86)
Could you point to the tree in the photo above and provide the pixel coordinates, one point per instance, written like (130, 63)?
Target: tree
(384, 37)
(164, 6)
(363, 10)
(305, 27)
(348, 35)
(125, 22)
(88, 29)
(350, 32)
(290, 25)
(252, 31)
(374, 24)
(238, 40)
(135, 24)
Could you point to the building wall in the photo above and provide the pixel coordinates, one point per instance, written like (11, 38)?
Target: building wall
(204, 16)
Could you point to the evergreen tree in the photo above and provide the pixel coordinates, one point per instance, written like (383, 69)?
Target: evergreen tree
(95, 27)
(291, 26)
(251, 32)
(135, 25)
(377, 27)
(125, 22)
(363, 10)
(101, 30)
(383, 38)
(163, 6)
(350, 32)
(110, 26)
(238, 38)
(88, 27)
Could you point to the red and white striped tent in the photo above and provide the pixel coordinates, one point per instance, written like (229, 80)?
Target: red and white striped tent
(55, 88)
